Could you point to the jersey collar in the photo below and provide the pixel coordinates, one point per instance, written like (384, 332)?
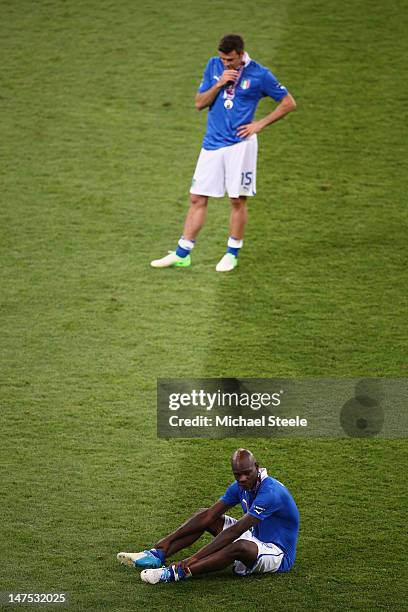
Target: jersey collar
(246, 59)
(263, 473)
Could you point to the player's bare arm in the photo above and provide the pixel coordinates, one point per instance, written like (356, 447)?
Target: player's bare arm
(231, 88)
(286, 105)
(223, 539)
(197, 523)
(262, 541)
(202, 100)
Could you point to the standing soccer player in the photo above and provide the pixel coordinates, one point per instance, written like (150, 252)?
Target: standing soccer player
(231, 87)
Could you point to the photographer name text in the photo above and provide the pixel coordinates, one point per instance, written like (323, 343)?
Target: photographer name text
(237, 421)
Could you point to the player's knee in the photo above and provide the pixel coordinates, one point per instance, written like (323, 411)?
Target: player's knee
(216, 526)
(198, 200)
(199, 511)
(239, 549)
(239, 203)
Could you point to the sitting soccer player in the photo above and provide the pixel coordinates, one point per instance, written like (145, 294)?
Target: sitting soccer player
(263, 540)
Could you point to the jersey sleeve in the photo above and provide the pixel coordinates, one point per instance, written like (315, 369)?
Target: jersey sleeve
(265, 504)
(231, 495)
(272, 88)
(206, 82)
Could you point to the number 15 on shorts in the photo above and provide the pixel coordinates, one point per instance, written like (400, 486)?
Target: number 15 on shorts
(246, 178)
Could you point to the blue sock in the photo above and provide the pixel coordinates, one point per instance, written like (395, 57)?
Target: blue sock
(184, 247)
(234, 246)
(159, 553)
(233, 251)
(182, 252)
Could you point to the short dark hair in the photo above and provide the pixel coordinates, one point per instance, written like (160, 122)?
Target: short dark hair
(231, 42)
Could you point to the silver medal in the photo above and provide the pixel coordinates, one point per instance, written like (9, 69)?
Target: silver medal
(228, 104)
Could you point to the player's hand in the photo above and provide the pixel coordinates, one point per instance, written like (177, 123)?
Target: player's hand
(245, 131)
(228, 76)
(186, 563)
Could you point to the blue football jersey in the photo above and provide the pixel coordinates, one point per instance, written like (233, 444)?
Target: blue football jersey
(276, 510)
(255, 83)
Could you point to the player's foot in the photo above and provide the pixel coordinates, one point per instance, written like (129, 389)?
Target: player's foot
(153, 576)
(141, 559)
(172, 261)
(227, 263)
(172, 573)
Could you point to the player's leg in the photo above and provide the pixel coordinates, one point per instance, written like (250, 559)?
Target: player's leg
(238, 221)
(240, 168)
(172, 543)
(242, 550)
(238, 217)
(195, 216)
(180, 258)
(208, 181)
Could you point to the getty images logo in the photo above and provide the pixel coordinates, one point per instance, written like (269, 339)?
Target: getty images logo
(223, 399)
(363, 416)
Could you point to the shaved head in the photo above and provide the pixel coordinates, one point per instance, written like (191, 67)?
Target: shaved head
(245, 468)
(242, 457)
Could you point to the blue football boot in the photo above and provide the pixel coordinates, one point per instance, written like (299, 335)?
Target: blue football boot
(145, 560)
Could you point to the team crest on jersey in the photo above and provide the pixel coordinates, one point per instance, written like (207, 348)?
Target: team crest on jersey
(245, 84)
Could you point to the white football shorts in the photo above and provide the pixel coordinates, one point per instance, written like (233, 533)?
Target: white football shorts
(269, 555)
(231, 169)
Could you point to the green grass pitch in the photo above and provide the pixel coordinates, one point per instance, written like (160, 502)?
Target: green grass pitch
(99, 139)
